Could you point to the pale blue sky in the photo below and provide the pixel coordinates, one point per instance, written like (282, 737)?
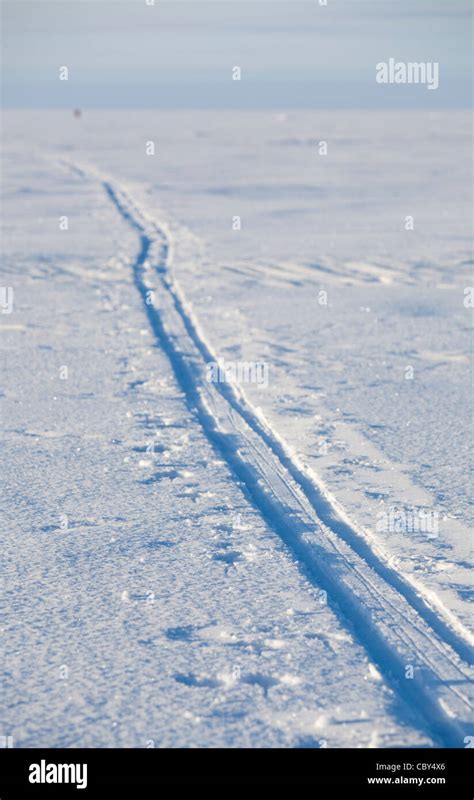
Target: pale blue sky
(179, 54)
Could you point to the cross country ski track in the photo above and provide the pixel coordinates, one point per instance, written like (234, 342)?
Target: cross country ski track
(417, 648)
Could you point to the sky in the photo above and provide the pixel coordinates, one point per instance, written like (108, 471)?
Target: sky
(180, 54)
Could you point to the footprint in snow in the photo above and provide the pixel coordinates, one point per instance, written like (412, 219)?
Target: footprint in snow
(266, 682)
(195, 680)
(229, 558)
(183, 633)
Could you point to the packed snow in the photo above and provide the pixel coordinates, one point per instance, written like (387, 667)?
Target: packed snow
(274, 550)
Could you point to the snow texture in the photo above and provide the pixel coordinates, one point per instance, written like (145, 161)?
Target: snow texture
(192, 562)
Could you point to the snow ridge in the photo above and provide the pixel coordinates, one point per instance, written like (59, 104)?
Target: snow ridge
(419, 653)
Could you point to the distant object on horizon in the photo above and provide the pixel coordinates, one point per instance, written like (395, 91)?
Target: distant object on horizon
(77, 112)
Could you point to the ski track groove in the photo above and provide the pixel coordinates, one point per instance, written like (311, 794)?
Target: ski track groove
(394, 624)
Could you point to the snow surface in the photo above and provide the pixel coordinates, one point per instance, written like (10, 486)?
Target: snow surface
(222, 579)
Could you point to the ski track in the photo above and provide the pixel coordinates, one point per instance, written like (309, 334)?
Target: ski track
(393, 622)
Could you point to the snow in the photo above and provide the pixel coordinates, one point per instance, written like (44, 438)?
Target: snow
(202, 560)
